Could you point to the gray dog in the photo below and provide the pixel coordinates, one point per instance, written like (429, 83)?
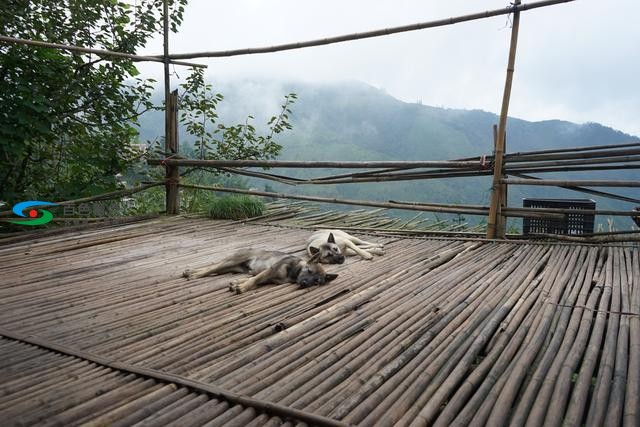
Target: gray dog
(267, 267)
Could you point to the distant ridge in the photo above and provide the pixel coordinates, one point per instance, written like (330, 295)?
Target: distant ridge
(355, 121)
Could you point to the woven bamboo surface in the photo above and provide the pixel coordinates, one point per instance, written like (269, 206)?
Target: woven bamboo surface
(435, 332)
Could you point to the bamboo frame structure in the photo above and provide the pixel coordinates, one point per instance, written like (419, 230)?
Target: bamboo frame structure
(584, 158)
(99, 52)
(376, 33)
(498, 332)
(495, 227)
(566, 183)
(311, 164)
(480, 210)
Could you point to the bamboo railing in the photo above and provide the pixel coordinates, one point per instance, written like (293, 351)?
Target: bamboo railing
(499, 165)
(601, 157)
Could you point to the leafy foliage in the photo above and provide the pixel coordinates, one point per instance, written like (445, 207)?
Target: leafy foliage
(215, 140)
(68, 120)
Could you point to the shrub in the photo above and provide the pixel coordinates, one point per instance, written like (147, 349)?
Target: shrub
(235, 207)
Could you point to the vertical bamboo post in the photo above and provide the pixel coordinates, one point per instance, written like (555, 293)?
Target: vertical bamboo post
(494, 207)
(501, 220)
(173, 172)
(170, 124)
(502, 230)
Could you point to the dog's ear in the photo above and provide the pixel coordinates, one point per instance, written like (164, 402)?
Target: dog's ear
(329, 277)
(315, 258)
(313, 250)
(331, 239)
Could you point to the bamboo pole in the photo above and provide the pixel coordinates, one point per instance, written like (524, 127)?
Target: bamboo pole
(563, 183)
(496, 193)
(534, 402)
(167, 377)
(588, 190)
(171, 146)
(501, 225)
(369, 34)
(100, 52)
(571, 162)
(572, 155)
(631, 415)
(426, 208)
(471, 316)
(310, 164)
(564, 150)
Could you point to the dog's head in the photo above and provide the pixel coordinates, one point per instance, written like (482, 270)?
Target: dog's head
(312, 274)
(329, 252)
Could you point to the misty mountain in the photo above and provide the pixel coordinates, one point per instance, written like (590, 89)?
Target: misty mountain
(355, 121)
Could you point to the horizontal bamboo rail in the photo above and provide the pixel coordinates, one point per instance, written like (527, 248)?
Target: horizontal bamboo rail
(540, 210)
(562, 150)
(588, 190)
(576, 149)
(413, 207)
(100, 52)
(369, 34)
(513, 158)
(310, 164)
(563, 183)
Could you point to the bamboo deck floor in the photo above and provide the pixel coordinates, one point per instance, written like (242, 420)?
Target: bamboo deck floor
(98, 327)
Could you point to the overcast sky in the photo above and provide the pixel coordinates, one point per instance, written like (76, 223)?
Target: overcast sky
(578, 61)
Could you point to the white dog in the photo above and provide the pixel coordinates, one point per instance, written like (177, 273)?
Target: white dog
(333, 245)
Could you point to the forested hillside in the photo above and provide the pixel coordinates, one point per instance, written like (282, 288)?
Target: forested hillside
(354, 121)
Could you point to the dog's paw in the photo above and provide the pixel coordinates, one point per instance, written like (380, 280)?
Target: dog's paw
(368, 257)
(187, 273)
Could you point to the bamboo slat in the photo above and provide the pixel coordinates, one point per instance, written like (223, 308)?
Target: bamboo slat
(437, 331)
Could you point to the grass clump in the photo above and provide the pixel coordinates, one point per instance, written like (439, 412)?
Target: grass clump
(235, 207)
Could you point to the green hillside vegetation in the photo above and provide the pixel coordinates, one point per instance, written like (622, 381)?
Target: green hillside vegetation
(354, 121)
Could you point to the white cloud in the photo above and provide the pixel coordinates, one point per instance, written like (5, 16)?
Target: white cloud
(576, 61)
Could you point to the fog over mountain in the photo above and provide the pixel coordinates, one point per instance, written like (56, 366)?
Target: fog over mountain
(354, 121)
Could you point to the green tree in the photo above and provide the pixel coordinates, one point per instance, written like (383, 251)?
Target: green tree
(215, 140)
(68, 121)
